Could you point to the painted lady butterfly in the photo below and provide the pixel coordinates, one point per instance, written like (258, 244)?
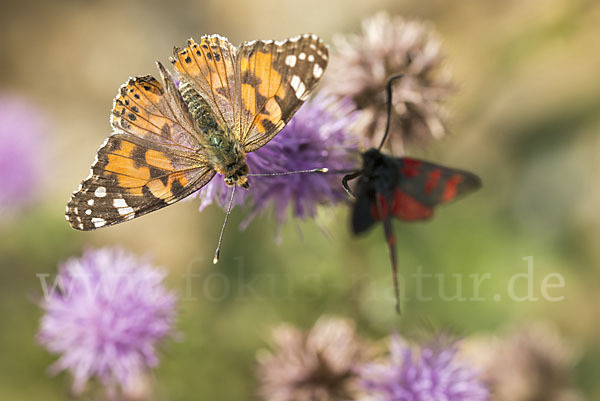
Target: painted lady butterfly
(169, 141)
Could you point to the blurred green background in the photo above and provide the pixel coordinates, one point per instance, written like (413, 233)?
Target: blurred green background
(526, 118)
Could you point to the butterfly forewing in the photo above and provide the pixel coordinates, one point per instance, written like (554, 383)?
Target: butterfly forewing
(130, 178)
(153, 158)
(276, 78)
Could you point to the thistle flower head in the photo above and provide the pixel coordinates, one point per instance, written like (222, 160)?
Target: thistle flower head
(388, 46)
(531, 362)
(316, 366)
(434, 372)
(21, 150)
(316, 137)
(106, 320)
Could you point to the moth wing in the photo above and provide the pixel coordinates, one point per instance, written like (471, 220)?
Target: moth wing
(422, 186)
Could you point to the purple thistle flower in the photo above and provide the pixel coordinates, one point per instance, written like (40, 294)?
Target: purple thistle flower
(21, 143)
(111, 310)
(434, 373)
(317, 136)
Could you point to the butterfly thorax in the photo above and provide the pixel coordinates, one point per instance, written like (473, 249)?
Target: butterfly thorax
(225, 153)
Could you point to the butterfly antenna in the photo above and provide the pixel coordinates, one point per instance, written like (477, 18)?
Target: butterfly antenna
(388, 90)
(218, 251)
(314, 170)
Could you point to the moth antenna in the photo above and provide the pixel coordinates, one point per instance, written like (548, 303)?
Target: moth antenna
(314, 170)
(218, 251)
(388, 89)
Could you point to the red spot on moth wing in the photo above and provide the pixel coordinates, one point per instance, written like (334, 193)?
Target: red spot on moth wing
(410, 167)
(450, 191)
(432, 180)
(407, 208)
(379, 210)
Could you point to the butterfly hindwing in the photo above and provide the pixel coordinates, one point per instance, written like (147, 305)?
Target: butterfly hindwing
(143, 108)
(152, 159)
(209, 67)
(256, 89)
(276, 78)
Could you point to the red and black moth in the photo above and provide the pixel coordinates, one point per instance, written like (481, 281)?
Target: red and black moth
(400, 187)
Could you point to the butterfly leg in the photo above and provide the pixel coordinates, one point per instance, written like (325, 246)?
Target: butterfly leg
(390, 239)
(347, 178)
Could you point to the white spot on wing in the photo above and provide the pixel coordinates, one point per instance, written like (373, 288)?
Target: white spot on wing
(290, 60)
(311, 58)
(126, 210)
(302, 56)
(122, 207)
(91, 202)
(119, 202)
(98, 222)
(317, 71)
(298, 86)
(100, 192)
(88, 211)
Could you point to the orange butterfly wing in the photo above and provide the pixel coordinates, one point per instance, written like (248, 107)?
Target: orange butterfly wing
(153, 158)
(255, 90)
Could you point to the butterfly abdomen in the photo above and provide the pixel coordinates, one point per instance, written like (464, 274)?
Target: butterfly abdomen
(199, 109)
(226, 156)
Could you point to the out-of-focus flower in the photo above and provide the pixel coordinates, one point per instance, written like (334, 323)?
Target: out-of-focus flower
(388, 46)
(530, 363)
(106, 320)
(434, 372)
(317, 366)
(22, 129)
(316, 137)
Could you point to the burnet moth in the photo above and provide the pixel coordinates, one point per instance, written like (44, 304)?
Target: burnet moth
(401, 187)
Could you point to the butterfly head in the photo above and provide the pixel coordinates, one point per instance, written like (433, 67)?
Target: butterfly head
(239, 177)
(229, 159)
